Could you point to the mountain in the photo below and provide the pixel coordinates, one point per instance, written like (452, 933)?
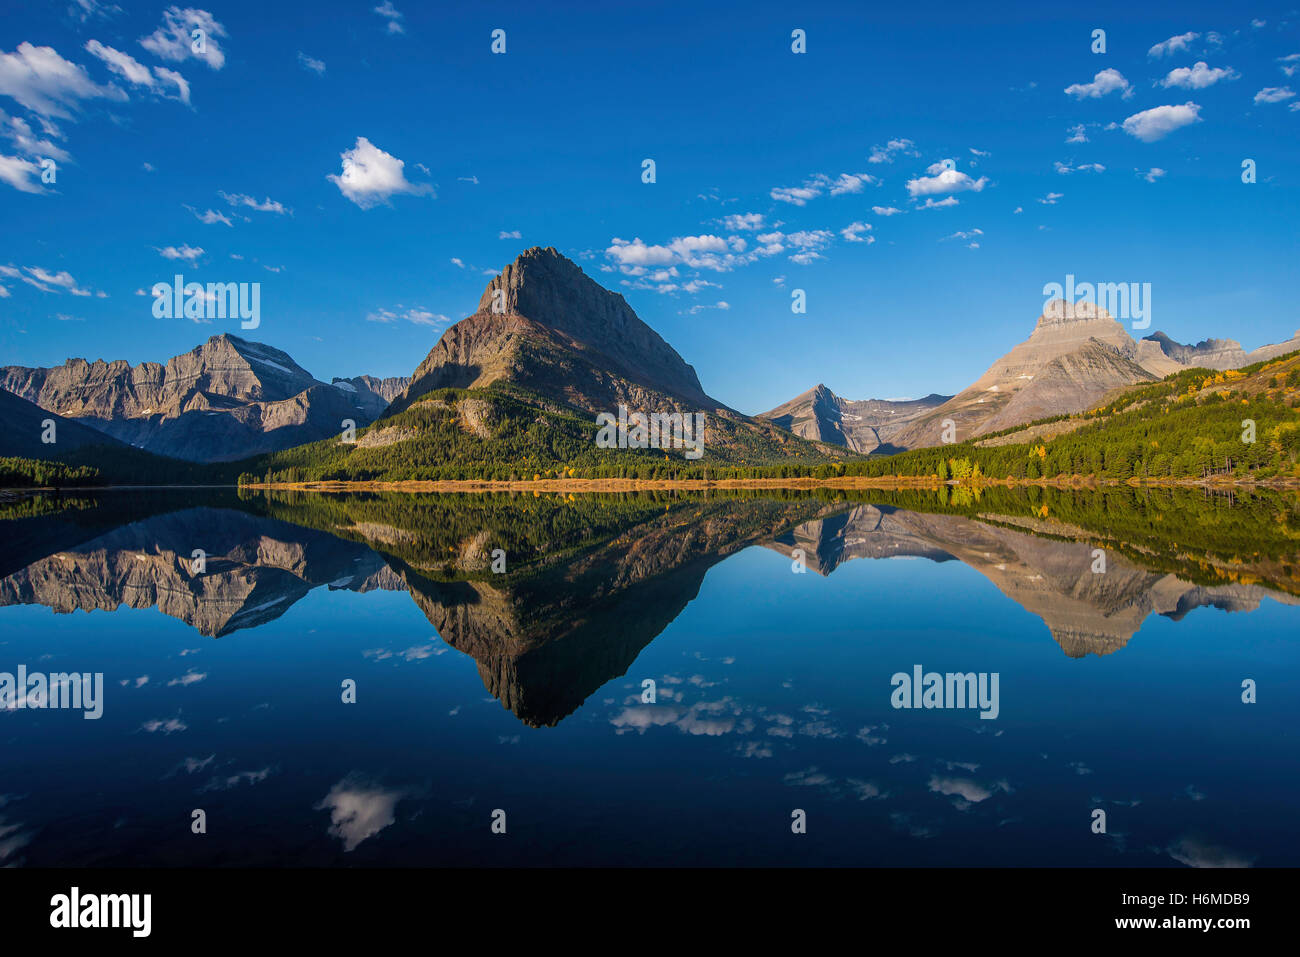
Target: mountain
(373, 394)
(256, 569)
(223, 400)
(863, 426)
(1220, 354)
(516, 389)
(1073, 358)
(1046, 568)
(24, 424)
(1217, 354)
(542, 323)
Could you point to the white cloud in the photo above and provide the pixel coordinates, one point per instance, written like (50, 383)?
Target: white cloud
(137, 74)
(1077, 134)
(417, 315)
(510, 234)
(808, 244)
(460, 263)
(940, 204)
(1063, 168)
(21, 174)
(886, 153)
(84, 10)
(742, 222)
(123, 64)
(210, 217)
(817, 185)
(1051, 199)
(850, 183)
(47, 84)
(370, 176)
(1107, 81)
(1173, 45)
(720, 304)
(392, 15)
(980, 152)
(311, 63)
(1290, 63)
(797, 195)
(1160, 121)
(359, 811)
(637, 253)
(946, 181)
(267, 205)
(190, 254)
(1274, 94)
(886, 210)
(965, 234)
(44, 280)
(1151, 175)
(174, 40)
(1198, 76)
(27, 142)
(853, 233)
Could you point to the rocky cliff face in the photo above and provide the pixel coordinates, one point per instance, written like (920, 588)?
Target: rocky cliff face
(863, 426)
(1068, 345)
(1220, 354)
(373, 394)
(224, 400)
(1207, 354)
(543, 322)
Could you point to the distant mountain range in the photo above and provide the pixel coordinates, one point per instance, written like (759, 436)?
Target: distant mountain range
(1076, 355)
(516, 387)
(864, 426)
(226, 399)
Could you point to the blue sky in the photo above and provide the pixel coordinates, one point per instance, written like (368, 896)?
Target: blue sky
(772, 172)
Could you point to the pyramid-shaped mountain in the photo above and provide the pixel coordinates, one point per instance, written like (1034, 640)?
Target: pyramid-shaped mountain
(550, 345)
(545, 325)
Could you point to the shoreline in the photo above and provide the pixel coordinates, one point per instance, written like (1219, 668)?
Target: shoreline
(841, 482)
(893, 482)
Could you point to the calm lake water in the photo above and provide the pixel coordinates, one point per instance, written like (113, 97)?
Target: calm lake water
(1120, 689)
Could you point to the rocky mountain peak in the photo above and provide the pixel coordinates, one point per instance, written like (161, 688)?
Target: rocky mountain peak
(1062, 311)
(537, 284)
(548, 288)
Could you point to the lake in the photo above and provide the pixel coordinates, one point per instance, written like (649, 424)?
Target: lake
(654, 678)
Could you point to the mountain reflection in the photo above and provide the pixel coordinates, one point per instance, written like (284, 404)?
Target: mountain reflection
(590, 581)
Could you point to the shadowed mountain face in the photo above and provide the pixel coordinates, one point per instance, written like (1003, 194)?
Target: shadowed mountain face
(25, 423)
(544, 324)
(224, 400)
(863, 426)
(254, 570)
(589, 583)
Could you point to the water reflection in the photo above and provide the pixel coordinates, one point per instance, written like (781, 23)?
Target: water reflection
(588, 583)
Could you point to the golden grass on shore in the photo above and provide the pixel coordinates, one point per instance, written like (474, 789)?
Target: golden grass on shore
(843, 482)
